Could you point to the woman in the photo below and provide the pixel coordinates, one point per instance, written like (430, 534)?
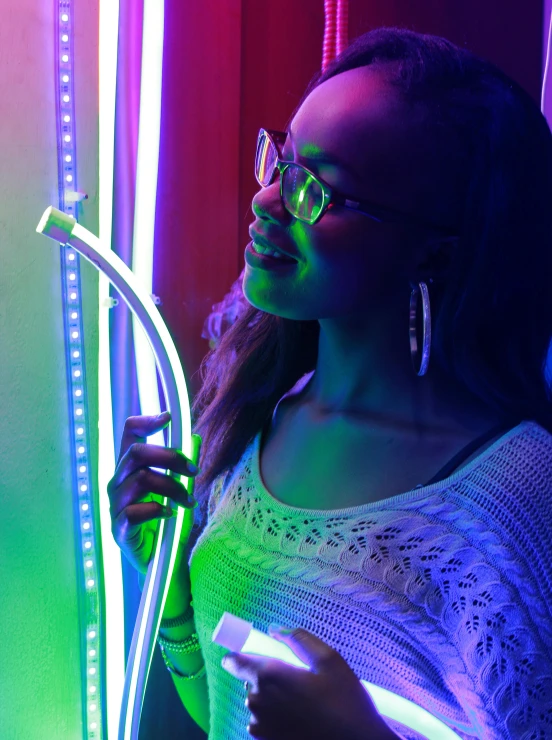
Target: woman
(390, 502)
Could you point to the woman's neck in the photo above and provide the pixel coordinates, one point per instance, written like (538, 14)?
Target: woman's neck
(367, 375)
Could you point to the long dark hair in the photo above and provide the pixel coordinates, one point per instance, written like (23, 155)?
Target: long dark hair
(493, 320)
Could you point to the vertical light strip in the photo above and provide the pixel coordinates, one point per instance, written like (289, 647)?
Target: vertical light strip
(111, 556)
(87, 542)
(146, 195)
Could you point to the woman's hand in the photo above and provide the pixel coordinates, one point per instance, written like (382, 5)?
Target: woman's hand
(135, 491)
(288, 703)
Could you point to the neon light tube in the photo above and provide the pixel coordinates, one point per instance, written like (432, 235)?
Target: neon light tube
(544, 89)
(147, 164)
(64, 229)
(111, 555)
(240, 636)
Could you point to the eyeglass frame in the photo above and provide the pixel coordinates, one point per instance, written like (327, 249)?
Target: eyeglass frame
(331, 196)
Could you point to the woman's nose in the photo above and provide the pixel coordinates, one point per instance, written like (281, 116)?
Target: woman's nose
(267, 203)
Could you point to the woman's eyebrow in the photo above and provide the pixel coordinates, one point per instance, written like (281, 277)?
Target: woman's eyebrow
(316, 155)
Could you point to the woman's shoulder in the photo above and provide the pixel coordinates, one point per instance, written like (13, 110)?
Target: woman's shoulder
(518, 468)
(531, 444)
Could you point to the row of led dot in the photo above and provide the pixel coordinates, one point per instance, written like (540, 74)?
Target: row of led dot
(78, 400)
(66, 98)
(83, 489)
(92, 688)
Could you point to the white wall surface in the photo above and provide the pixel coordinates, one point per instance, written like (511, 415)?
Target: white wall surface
(39, 639)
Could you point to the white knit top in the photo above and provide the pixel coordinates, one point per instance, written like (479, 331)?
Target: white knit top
(442, 594)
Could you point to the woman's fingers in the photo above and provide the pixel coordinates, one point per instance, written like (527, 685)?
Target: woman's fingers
(262, 674)
(127, 525)
(137, 486)
(133, 479)
(244, 667)
(141, 455)
(139, 428)
(256, 730)
(307, 647)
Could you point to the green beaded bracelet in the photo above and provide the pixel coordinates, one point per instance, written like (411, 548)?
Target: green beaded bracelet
(185, 647)
(172, 669)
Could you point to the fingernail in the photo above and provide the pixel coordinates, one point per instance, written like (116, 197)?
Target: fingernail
(192, 468)
(162, 414)
(279, 629)
(168, 512)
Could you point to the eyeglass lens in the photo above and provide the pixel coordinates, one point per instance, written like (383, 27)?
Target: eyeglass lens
(302, 194)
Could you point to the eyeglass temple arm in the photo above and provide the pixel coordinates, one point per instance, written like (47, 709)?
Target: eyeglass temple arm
(388, 215)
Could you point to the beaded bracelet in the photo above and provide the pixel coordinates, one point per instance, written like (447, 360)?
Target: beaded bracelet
(185, 647)
(172, 669)
(178, 621)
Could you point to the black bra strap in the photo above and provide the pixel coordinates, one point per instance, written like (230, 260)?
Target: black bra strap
(468, 450)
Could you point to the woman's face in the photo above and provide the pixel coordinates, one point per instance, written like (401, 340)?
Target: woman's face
(347, 262)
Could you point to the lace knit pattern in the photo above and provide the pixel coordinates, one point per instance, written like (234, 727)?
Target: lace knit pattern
(442, 594)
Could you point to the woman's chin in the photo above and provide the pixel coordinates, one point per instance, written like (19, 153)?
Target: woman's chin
(263, 294)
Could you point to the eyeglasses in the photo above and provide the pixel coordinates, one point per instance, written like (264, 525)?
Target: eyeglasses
(307, 197)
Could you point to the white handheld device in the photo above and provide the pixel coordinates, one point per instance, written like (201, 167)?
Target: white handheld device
(240, 636)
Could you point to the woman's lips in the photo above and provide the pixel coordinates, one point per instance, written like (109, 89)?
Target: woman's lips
(258, 238)
(256, 259)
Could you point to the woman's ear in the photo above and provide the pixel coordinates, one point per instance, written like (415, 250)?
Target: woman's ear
(436, 257)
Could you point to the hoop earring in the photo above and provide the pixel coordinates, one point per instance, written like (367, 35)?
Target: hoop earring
(426, 320)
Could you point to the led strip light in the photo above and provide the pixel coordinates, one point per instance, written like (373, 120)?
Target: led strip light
(64, 228)
(87, 544)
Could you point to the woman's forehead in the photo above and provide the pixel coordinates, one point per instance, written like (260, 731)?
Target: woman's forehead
(355, 114)
(360, 119)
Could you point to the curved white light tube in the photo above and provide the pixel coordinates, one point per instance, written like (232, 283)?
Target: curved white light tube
(65, 230)
(241, 637)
